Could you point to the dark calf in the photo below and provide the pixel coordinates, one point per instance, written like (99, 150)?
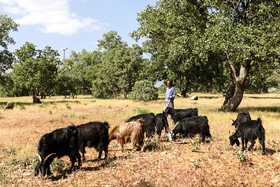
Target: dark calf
(149, 123)
(178, 114)
(94, 134)
(57, 143)
(161, 122)
(249, 131)
(192, 126)
(241, 118)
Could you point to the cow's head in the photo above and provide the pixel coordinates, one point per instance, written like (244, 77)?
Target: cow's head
(43, 165)
(233, 141)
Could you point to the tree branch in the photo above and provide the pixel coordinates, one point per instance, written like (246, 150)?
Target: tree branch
(231, 66)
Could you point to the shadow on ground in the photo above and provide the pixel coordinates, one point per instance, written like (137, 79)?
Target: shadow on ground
(259, 109)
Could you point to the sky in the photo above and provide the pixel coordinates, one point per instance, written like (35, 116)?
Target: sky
(72, 24)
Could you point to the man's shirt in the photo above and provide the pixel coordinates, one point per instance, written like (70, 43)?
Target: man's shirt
(170, 92)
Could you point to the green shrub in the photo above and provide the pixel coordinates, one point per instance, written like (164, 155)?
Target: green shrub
(20, 105)
(68, 106)
(140, 110)
(2, 172)
(241, 156)
(197, 164)
(144, 90)
(58, 165)
(195, 146)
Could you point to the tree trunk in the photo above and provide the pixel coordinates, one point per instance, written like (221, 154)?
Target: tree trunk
(232, 102)
(35, 99)
(231, 85)
(185, 90)
(125, 95)
(236, 86)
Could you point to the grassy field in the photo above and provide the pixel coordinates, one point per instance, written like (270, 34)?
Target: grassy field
(162, 164)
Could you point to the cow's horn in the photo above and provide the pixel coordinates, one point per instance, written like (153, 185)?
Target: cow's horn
(39, 157)
(49, 156)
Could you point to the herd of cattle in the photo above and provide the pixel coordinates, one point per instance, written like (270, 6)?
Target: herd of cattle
(73, 139)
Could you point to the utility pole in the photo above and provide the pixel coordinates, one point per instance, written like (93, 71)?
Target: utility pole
(64, 49)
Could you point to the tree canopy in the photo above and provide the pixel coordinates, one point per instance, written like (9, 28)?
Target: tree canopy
(121, 67)
(190, 37)
(6, 57)
(36, 69)
(206, 46)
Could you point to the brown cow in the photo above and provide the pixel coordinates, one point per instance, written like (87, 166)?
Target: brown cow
(129, 132)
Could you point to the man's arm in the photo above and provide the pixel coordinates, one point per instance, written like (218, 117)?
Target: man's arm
(172, 93)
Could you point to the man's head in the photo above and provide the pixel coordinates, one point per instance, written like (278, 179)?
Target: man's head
(168, 83)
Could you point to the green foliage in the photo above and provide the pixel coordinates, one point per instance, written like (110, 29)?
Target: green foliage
(42, 106)
(260, 82)
(197, 164)
(36, 69)
(58, 165)
(121, 67)
(200, 45)
(195, 146)
(2, 172)
(6, 57)
(162, 89)
(173, 29)
(68, 84)
(241, 156)
(77, 73)
(140, 110)
(20, 106)
(154, 145)
(68, 106)
(9, 152)
(144, 90)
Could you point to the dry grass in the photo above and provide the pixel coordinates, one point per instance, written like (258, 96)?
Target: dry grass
(165, 164)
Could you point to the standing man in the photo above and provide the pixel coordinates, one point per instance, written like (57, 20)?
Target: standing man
(169, 95)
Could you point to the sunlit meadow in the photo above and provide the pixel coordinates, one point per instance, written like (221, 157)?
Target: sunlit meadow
(179, 163)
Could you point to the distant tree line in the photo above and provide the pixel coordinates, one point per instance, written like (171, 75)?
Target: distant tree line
(208, 46)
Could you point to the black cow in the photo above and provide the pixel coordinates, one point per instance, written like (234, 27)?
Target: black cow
(178, 114)
(249, 131)
(241, 118)
(57, 143)
(149, 123)
(94, 134)
(161, 122)
(192, 126)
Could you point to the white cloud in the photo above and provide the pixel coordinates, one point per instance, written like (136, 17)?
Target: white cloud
(53, 16)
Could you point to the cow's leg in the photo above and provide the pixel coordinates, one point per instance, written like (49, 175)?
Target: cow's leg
(106, 152)
(79, 158)
(202, 137)
(246, 143)
(252, 145)
(122, 144)
(243, 142)
(83, 151)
